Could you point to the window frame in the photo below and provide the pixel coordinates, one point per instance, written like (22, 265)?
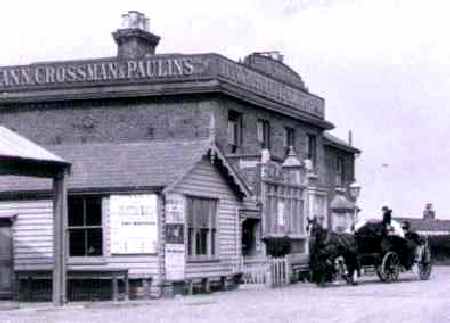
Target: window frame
(235, 118)
(311, 149)
(289, 137)
(85, 228)
(212, 251)
(263, 128)
(340, 171)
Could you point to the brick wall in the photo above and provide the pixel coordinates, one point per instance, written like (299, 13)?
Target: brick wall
(111, 121)
(250, 115)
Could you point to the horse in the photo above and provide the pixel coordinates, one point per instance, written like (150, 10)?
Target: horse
(326, 248)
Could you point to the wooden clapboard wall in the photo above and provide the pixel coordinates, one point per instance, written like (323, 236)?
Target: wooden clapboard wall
(32, 233)
(206, 181)
(33, 242)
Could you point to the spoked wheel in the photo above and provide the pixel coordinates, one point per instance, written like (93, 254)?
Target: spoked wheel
(424, 264)
(390, 267)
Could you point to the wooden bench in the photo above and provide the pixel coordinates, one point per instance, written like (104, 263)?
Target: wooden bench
(77, 274)
(206, 284)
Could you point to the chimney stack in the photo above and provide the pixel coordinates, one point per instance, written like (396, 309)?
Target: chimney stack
(134, 39)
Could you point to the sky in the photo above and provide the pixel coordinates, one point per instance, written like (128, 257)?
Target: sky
(381, 65)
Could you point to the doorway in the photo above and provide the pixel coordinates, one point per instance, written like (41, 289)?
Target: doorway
(250, 237)
(6, 259)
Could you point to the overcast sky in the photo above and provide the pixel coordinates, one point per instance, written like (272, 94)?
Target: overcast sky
(381, 65)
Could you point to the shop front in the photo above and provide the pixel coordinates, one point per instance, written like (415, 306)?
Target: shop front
(174, 224)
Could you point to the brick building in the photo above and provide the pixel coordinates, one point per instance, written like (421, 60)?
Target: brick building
(222, 156)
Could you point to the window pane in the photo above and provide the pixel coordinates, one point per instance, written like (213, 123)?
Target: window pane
(197, 242)
(260, 131)
(93, 211)
(204, 241)
(189, 241)
(75, 210)
(94, 242)
(213, 241)
(190, 212)
(212, 213)
(231, 132)
(77, 242)
(267, 134)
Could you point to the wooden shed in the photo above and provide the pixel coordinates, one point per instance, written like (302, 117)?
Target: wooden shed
(156, 213)
(21, 157)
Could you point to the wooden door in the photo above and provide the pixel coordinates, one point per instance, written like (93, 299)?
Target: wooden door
(6, 261)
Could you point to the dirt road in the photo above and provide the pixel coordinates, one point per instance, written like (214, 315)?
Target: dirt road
(409, 300)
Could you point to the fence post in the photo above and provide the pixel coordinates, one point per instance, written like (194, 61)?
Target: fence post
(287, 269)
(269, 273)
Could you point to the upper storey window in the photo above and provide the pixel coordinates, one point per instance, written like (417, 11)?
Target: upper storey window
(289, 137)
(312, 149)
(234, 129)
(263, 133)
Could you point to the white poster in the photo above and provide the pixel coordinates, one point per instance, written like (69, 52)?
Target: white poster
(175, 208)
(175, 261)
(134, 223)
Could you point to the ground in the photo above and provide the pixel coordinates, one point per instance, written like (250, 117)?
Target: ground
(409, 300)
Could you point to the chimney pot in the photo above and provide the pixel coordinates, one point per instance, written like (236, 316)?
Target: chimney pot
(134, 38)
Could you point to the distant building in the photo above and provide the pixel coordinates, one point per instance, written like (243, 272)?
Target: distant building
(428, 225)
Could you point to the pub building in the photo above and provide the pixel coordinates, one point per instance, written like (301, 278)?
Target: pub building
(185, 169)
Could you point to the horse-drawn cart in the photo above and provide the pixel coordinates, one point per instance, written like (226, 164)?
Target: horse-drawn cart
(389, 253)
(373, 248)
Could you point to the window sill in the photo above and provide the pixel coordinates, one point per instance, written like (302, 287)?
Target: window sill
(202, 259)
(86, 260)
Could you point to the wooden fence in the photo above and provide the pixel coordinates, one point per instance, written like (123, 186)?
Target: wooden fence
(269, 271)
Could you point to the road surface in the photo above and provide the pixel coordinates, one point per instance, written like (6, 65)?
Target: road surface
(409, 300)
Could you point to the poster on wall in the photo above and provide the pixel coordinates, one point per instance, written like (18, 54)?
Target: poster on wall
(175, 261)
(134, 224)
(175, 247)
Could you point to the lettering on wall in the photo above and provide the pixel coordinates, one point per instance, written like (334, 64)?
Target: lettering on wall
(202, 66)
(255, 81)
(50, 74)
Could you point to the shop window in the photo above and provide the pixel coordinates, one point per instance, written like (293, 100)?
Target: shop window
(289, 137)
(85, 226)
(263, 133)
(234, 130)
(201, 227)
(312, 149)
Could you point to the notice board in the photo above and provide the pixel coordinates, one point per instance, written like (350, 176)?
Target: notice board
(134, 223)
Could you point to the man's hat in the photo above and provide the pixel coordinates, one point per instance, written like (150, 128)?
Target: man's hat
(385, 208)
(406, 225)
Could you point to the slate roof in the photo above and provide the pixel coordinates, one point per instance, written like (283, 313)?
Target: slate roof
(339, 143)
(14, 146)
(154, 164)
(428, 224)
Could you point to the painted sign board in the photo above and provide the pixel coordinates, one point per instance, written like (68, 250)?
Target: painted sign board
(134, 224)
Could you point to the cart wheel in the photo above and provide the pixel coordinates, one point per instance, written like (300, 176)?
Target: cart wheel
(390, 267)
(424, 264)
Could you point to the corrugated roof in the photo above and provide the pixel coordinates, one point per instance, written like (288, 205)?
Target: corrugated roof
(428, 224)
(335, 141)
(14, 146)
(109, 165)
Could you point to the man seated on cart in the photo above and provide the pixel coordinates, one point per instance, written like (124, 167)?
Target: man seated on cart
(415, 243)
